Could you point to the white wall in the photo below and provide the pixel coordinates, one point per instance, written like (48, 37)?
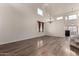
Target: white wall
(17, 22)
(55, 29)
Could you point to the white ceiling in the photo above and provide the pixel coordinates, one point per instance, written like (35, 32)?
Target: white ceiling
(56, 8)
(51, 8)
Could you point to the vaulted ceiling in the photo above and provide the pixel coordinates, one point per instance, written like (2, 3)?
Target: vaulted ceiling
(57, 8)
(51, 8)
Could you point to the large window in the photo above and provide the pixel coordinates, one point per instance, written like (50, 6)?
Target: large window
(73, 30)
(59, 18)
(72, 17)
(39, 12)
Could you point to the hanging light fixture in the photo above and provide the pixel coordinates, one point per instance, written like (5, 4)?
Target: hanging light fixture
(49, 16)
(50, 20)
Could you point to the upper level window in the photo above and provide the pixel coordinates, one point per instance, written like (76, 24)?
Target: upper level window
(59, 18)
(72, 17)
(39, 12)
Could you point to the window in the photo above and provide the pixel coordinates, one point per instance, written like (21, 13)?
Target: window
(59, 18)
(39, 12)
(73, 30)
(72, 17)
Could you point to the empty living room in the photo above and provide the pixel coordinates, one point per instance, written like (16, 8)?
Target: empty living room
(39, 29)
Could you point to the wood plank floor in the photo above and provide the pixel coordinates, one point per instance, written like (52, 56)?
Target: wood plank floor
(41, 46)
(75, 50)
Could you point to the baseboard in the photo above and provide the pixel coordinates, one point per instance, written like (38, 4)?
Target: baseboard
(31, 37)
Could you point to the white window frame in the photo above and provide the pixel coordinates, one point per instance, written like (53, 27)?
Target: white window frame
(72, 17)
(72, 29)
(39, 11)
(59, 18)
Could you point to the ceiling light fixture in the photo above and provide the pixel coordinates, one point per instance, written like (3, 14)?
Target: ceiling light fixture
(49, 15)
